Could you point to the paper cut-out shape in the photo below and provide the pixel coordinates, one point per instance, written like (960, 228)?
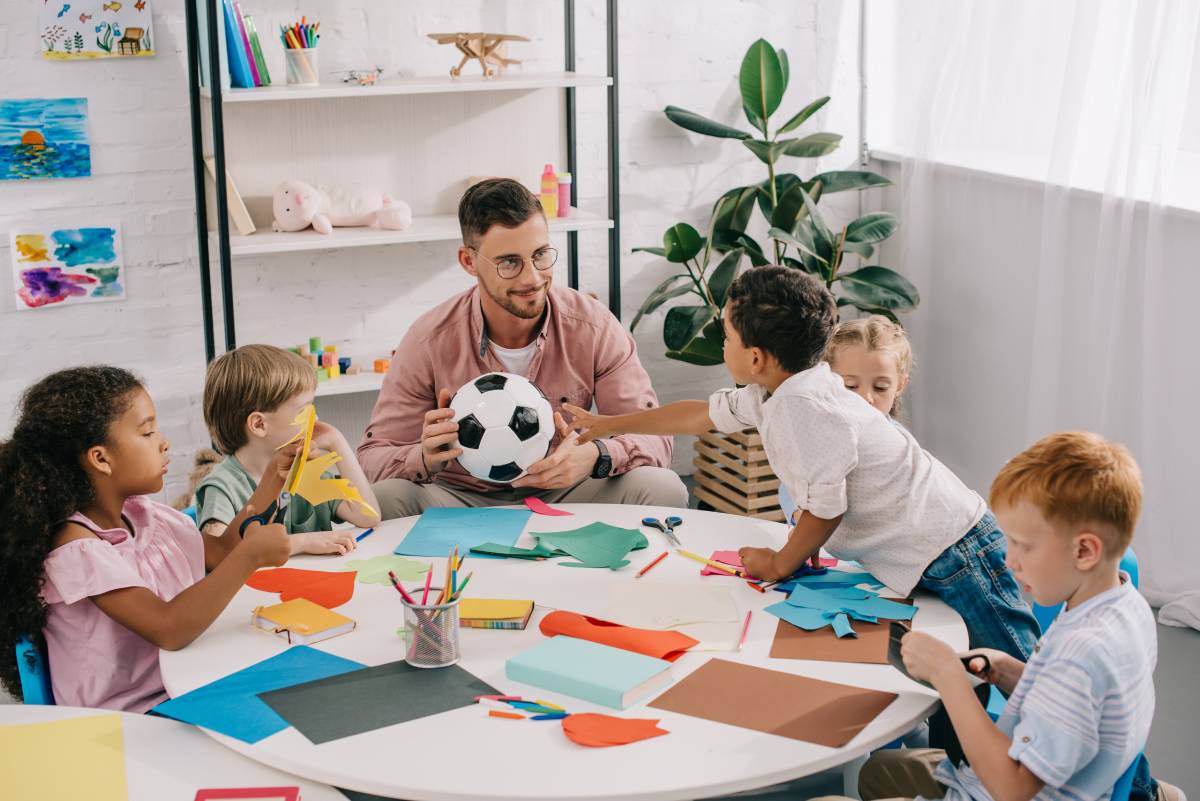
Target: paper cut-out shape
(813, 619)
(593, 545)
(540, 507)
(816, 711)
(870, 608)
(870, 646)
(732, 559)
(704, 613)
(668, 645)
(231, 706)
(328, 588)
(831, 579)
(375, 570)
(538, 551)
(32, 759)
(305, 478)
(600, 731)
(439, 530)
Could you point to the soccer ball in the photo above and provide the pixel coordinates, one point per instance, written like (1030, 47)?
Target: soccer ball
(505, 424)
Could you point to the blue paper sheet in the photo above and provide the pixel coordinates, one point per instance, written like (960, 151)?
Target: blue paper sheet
(812, 619)
(439, 530)
(871, 608)
(231, 705)
(831, 577)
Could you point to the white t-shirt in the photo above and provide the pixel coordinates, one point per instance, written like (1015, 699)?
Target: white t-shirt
(515, 361)
(839, 455)
(1081, 712)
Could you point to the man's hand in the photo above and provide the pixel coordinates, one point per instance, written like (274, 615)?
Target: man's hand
(760, 563)
(928, 658)
(338, 542)
(439, 436)
(590, 426)
(570, 463)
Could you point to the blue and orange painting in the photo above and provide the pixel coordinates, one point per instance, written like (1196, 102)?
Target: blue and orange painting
(44, 138)
(67, 266)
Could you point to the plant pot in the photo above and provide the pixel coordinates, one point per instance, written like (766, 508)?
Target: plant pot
(733, 475)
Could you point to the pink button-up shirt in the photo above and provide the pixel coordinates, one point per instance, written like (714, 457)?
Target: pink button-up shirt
(94, 660)
(582, 355)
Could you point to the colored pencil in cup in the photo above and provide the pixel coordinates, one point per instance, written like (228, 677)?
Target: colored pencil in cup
(646, 569)
(745, 629)
(428, 582)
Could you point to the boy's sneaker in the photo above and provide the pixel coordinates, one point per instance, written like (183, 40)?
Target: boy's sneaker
(1169, 792)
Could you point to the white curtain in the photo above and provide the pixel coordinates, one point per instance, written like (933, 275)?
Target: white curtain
(1047, 159)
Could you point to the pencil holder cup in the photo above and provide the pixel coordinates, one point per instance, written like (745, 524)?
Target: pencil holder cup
(431, 635)
(301, 66)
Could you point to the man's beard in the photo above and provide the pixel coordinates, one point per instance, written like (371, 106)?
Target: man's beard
(512, 307)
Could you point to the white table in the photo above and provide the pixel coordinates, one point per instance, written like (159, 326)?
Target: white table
(165, 759)
(463, 754)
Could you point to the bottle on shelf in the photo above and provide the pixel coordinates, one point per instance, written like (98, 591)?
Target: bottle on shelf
(549, 196)
(564, 194)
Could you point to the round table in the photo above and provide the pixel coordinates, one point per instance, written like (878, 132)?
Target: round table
(463, 754)
(165, 759)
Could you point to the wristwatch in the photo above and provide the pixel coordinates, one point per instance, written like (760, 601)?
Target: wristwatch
(603, 461)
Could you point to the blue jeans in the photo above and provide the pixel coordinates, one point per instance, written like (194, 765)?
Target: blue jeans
(971, 577)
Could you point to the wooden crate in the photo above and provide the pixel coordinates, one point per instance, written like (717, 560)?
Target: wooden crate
(733, 475)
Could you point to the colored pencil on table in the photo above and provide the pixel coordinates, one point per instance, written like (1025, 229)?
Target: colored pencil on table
(745, 628)
(496, 713)
(645, 569)
(428, 581)
(733, 571)
(364, 535)
(757, 587)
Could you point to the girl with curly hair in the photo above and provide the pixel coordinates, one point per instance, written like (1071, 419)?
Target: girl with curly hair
(89, 566)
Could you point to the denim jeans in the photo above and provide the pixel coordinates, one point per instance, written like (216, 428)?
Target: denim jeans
(971, 577)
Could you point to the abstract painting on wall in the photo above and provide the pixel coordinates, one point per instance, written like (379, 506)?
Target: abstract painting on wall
(67, 266)
(95, 29)
(44, 139)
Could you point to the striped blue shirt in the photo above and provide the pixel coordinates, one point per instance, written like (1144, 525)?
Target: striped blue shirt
(1081, 713)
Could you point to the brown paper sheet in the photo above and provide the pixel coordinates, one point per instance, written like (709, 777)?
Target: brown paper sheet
(869, 647)
(764, 700)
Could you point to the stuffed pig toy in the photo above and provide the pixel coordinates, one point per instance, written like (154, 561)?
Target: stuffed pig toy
(298, 205)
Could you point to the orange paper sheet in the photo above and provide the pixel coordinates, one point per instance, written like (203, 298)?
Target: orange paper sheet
(322, 587)
(668, 645)
(600, 731)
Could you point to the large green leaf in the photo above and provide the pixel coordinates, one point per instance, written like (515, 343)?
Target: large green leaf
(666, 290)
(683, 323)
(767, 152)
(814, 145)
(791, 205)
(843, 180)
(702, 125)
(783, 182)
(700, 352)
(788, 238)
(821, 236)
(880, 286)
(869, 309)
(758, 122)
(784, 69)
(655, 251)
(862, 249)
(802, 115)
(721, 277)
(681, 242)
(733, 209)
(761, 79)
(872, 228)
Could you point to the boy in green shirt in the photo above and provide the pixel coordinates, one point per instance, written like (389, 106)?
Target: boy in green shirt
(251, 398)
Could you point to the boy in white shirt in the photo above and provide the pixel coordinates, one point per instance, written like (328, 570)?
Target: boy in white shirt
(1080, 708)
(863, 487)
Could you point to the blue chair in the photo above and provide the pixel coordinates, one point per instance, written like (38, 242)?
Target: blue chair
(33, 667)
(1045, 614)
(191, 512)
(1124, 785)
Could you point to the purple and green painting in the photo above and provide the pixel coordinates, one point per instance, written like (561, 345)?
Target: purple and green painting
(44, 139)
(67, 266)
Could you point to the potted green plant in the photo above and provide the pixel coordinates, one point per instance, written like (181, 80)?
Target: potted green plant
(799, 235)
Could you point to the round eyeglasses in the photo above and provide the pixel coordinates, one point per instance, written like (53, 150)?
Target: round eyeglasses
(509, 267)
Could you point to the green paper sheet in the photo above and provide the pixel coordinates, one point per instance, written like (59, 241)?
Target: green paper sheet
(593, 545)
(372, 698)
(375, 570)
(511, 551)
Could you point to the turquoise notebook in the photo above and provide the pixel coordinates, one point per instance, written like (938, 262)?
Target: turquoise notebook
(597, 673)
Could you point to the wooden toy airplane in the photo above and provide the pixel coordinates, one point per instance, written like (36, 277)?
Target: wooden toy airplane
(483, 47)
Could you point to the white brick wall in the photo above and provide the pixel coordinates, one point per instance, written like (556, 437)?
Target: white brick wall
(681, 53)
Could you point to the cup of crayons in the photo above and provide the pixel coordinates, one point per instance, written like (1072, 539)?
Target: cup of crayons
(431, 630)
(300, 51)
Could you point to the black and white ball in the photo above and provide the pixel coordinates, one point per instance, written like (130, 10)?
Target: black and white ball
(505, 424)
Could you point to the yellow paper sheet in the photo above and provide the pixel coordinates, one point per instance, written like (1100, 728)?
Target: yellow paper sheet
(492, 609)
(304, 479)
(305, 420)
(64, 760)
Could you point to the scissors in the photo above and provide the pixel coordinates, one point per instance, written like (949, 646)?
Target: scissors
(666, 527)
(896, 633)
(274, 513)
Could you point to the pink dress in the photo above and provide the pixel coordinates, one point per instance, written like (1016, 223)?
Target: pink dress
(94, 660)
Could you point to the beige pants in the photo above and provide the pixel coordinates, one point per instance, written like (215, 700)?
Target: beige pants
(648, 486)
(898, 773)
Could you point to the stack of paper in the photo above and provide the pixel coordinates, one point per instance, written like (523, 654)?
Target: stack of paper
(493, 613)
(707, 614)
(597, 673)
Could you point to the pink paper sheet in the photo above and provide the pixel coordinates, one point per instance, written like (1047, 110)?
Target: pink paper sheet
(540, 507)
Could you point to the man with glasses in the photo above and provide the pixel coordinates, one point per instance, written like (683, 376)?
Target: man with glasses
(513, 321)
